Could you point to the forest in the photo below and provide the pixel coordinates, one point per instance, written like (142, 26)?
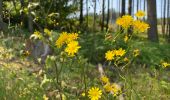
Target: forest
(84, 49)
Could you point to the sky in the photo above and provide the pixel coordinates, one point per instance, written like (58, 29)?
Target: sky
(114, 4)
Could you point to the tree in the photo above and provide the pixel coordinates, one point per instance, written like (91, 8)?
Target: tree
(152, 20)
(94, 16)
(137, 3)
(87, 13)
(30, 19)
(81, 12)
(168, 11)
(164, 18)
(3, 25)
(108, 14)
(103, 15)
(168, 16)
(130, 7)
(123, 7)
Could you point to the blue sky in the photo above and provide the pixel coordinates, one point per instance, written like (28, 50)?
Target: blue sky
(114, 4)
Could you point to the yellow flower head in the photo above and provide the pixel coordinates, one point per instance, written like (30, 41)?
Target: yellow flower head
(62, 39)
(125, 38)
(109, 55)
(140, 14)
(165, 64)
(104, 79)
(136, 52)
(120, 52)
(140, 26)
(45, 97)
(36, 35)
(72, 37)
(26, 53)
(48, 32)
(94, 93)
(66, 38)
(72, 48)
(83, 94)
(125, 21)
(116, 90)
(107, 87)
(125, 59)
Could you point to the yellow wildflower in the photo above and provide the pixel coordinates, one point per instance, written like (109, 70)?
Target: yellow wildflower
(116, 89)
(62, 39)
(107, 87)
(45, 97)
(165, 64)
(120, 52)
(36, 35)
(125, 38)
(66, 38)
(94, 93)
(125, 59)
(140, 26)
(83, 94)
(140, 14)
(125, 21)
(109, 55)
(26, 53)
(136, 52)
(48, 32)
(72, 48)
(104, 79)
(72, 37)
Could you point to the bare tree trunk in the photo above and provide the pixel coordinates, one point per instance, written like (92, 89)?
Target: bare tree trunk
(3, 26)
(94, 16)
(103, 15)
(137, 7)
(123, 8)
(81, 12)
(133, 7)
(30, 19)
(130, 7)
(168, 14)
(111, 13)
(119, 7)
(144, 8)
(168, 7)
(152, 20)
(108, 14)
(164, 18)
(87, 13)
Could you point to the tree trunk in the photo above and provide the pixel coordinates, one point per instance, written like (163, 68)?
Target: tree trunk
(87, 15)
(130, 7)
(137, 8)
(168, 7)
(168, 21)
(3, 26)
(164, 18)
(144, 8)
(94, 17)
(108, 14)
(152, 20)
(123, 8)
(30, 19)
(81, 12)
(103, 15)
